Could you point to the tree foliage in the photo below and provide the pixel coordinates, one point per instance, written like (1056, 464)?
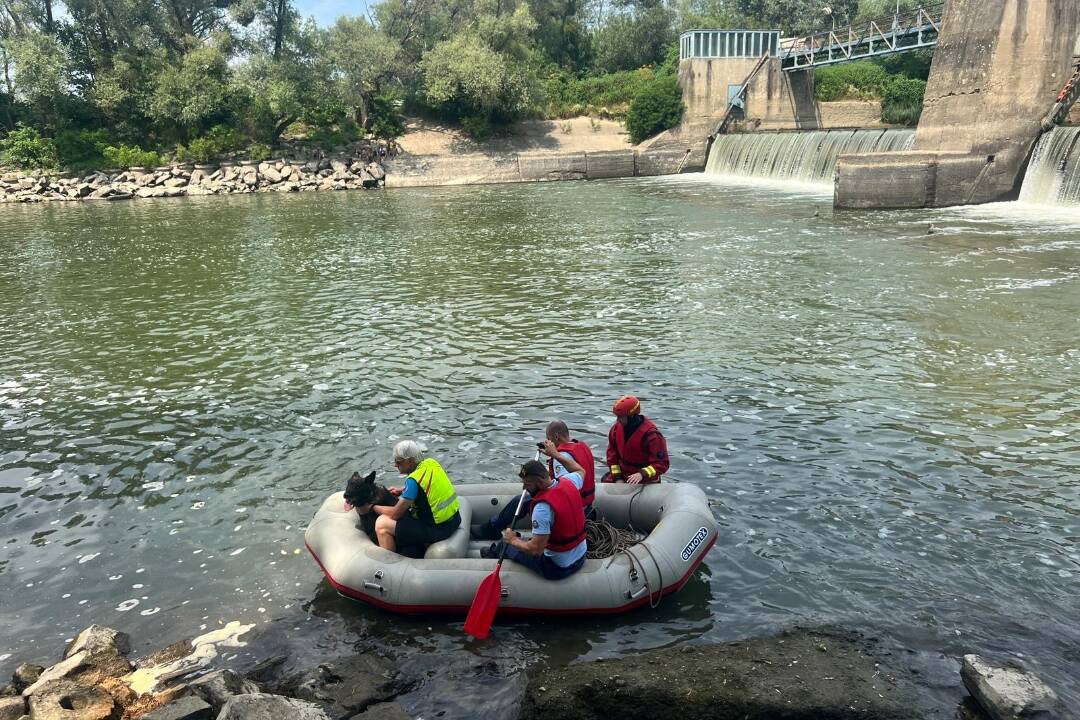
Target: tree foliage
(115, 81)
(656, 108)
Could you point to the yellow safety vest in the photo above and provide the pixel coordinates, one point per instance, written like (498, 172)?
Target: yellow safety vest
(441, 497)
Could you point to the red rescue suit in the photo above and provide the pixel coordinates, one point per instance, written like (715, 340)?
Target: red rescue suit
(582, 456)
(644, 451)
(568, 530)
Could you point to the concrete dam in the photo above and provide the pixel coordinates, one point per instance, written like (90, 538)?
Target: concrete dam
(1003, 77)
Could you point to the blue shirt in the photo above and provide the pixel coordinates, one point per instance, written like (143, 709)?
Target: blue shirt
(411, 491)
(542, 519)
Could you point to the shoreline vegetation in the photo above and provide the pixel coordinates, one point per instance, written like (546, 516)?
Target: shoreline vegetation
(800, 673)
(89, 86)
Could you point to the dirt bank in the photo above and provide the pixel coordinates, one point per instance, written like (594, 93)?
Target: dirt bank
(811, 674)
(424, 137)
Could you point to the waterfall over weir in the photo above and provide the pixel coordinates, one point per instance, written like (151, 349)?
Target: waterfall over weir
(808, 156)
(1053, 175)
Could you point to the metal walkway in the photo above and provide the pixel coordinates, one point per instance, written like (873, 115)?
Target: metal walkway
(884, 36)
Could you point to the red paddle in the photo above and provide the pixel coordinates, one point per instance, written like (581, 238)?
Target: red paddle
(486, 601)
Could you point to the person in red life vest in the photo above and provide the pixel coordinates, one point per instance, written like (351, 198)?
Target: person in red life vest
(558, 443)
(567, 458)
(557, 547)
(637, 451)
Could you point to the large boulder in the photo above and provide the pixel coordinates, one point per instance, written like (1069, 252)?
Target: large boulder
(67, 700)
(96, 653)
(217, 687)
(189, 707)
(263, 706)
(271, 175)
(26, 675)
(1007, 693)
(12, 708)
(347, 685)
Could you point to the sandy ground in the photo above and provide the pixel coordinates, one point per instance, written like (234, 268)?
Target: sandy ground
(424, 137)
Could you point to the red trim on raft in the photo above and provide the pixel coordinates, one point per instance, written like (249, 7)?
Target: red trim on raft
(509, 610)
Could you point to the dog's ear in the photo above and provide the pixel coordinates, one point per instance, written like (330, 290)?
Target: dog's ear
(370, 477)
(355, 477)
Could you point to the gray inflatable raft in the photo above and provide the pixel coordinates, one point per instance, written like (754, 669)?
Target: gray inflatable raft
(675, 517)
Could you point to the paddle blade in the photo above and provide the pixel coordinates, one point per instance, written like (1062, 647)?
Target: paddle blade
(484, 605)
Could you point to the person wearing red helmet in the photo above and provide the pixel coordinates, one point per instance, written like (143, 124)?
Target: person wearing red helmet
(637, 451)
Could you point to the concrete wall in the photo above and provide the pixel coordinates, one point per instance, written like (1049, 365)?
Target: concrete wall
(997, 69)
(775, 100)
(480, 169)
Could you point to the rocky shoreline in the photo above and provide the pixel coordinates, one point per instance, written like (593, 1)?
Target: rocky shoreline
(803, 673)
(325, 174)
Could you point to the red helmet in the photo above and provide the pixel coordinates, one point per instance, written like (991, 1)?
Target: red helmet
(626, 406)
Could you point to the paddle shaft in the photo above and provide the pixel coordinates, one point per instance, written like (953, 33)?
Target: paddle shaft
(521, 501)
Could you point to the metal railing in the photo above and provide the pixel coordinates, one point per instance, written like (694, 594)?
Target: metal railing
(711, 44)
(882, 36)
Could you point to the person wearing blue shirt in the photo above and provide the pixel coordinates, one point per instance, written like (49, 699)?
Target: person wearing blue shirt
(557, 547)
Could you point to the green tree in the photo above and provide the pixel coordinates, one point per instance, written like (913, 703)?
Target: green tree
(359, 61)
(798, 17)
(632, 39)
(656, 108)
(467, 74)
(192, 95)
(42, 74)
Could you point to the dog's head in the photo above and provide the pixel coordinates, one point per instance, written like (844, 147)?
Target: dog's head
(360, 490)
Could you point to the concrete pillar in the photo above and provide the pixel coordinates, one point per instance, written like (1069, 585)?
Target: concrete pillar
(997, 70)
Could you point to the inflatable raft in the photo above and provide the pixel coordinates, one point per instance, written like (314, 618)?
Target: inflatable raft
(674, 518)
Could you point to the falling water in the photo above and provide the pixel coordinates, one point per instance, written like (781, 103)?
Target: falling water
(800, 156)
(1053, 176)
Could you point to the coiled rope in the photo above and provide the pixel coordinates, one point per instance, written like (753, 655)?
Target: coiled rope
(605, 540)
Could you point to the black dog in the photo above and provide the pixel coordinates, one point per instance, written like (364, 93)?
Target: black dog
(362, 491)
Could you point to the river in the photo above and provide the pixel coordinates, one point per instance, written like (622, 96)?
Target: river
(886, 420)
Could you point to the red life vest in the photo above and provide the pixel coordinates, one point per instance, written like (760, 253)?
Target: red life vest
(568, 530)
(634, 453)
(582, 456)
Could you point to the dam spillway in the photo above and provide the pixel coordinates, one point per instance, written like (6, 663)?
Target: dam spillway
(808, 156)
(1053, 175)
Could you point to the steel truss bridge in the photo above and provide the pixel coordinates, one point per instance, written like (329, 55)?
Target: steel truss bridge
(884, 36)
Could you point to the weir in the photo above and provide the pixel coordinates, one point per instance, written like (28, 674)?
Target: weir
(1053, 175)
(809, 156)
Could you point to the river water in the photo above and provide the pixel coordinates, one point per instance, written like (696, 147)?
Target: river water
(886, 420)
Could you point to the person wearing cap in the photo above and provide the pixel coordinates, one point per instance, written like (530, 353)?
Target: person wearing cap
(567, 458)
(427, 508)
(637, 451)
(557, 546)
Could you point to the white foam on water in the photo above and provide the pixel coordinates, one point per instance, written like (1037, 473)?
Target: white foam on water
(150, 611)
(88, 558)
(205, 649)
(198, 505)
(153, 486)
(237, 551)
(467, 445)
(127, 605)
(320, 386)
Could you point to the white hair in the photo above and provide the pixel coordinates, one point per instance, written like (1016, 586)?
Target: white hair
(408, 450)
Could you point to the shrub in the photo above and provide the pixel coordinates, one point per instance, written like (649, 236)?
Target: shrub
(656, 108)
(125, 156)
(202, 150)
(478, 127)
(24, 148)
(569, 96)
(852, 81)
(902, 99)
(258, 152)
(81, 149)
(385, 119)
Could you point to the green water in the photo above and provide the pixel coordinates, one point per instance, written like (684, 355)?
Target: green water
(886, 420)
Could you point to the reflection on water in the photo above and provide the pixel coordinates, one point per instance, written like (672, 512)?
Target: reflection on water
(885, 420)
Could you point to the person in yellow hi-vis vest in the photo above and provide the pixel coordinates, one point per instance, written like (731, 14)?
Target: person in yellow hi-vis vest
(427, 507)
